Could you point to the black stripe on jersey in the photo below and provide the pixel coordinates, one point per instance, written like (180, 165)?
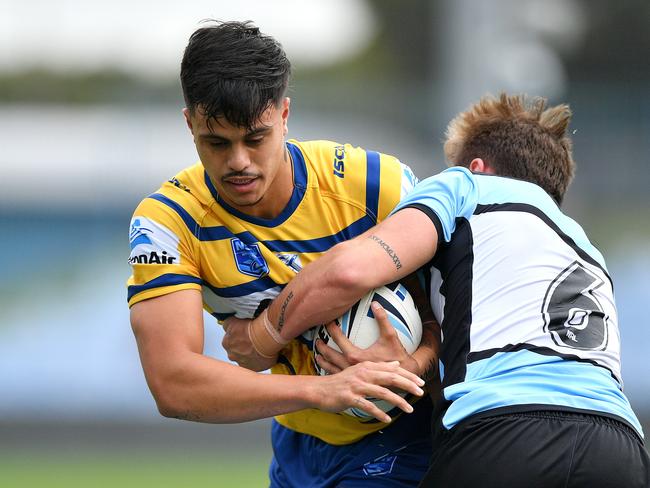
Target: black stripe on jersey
(222, 316)
(433, 216)
(189, 221)
(455, 261)
(426, 276)
(544, 351)
(221, 232)
(282, 359)
(523, 207)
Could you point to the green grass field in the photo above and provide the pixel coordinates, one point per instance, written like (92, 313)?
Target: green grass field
(123, 470)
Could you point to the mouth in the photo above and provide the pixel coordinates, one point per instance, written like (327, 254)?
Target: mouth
(241, 184)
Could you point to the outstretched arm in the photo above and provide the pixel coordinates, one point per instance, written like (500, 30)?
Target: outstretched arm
(327, 287)
(188, 385)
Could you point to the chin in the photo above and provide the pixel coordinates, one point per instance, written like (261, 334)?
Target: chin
(240, 201)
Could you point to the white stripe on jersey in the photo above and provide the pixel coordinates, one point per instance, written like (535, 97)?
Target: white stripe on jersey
(243, 307)
(508, 272)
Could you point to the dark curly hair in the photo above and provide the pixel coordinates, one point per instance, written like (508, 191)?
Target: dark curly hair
(232, 70)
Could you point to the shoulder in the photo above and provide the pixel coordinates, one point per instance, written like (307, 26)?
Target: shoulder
(340, 160)
(457, 177)
(445, 197)
(456, 184)
(370, 179)
(179, 205)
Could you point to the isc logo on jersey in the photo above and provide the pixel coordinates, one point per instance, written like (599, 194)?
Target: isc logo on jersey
(339, 161)
(152, 243)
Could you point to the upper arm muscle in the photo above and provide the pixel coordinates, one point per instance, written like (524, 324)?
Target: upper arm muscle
(167, 326)
(398, 246)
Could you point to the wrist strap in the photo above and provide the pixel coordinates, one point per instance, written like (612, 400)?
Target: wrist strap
(266, 340)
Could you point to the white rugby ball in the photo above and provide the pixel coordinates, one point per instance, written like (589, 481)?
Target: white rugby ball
(361, 328)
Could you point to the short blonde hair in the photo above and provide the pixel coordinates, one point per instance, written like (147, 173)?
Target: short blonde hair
(518, 137)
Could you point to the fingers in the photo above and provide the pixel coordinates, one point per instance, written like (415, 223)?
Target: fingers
(380, 381)
(329, 359)
(385, 327)
(379, 393)
(226, 341)
(325, 365)
(395, 376)
(335, 332)
(371, 409)
(388, 374)
(361, 385)
(226, 325)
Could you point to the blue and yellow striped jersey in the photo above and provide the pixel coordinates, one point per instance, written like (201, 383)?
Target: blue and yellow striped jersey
(185, 237)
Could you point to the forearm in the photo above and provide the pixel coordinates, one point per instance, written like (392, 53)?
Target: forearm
(426, 355)
(186, 384)
(203, 389)
(329, 286)
(321, 295)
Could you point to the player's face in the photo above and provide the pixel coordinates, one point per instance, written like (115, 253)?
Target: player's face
(250, 169)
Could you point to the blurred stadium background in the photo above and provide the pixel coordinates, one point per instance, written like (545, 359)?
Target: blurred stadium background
(90, 122)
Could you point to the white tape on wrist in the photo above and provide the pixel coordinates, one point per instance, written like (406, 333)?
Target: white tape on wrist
(266, 340)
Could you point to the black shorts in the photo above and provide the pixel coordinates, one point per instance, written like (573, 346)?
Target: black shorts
(544, 449)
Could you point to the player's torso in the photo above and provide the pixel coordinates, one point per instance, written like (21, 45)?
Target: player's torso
(245, 261)
(518, 281)
(251, 260)
(527, 309)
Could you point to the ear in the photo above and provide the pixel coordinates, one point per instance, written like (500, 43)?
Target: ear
(188, 119)
(285, 115)
(479, 166)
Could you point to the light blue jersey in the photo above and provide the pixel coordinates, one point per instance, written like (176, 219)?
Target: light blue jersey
(524, 299)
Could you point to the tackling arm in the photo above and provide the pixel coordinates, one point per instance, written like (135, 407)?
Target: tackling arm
(328, 287)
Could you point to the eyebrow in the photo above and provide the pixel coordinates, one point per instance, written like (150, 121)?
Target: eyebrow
(212, 137)
(252, 133)
(258, 130)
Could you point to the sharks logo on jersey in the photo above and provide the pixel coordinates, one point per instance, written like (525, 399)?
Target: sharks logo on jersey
(249, 259)
(152, 243)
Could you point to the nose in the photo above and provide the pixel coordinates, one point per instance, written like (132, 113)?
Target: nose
(238, 159)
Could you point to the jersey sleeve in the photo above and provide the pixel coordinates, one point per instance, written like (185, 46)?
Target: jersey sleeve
(409, 180)
(396, 180)
(445, 197)
(163, 254)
